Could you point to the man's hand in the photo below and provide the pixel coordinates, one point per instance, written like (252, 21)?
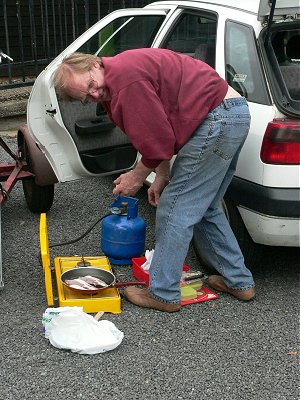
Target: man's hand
(155, 190)
(129, 183)
(161, 180)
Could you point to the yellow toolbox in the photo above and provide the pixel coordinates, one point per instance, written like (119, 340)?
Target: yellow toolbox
(108, 300)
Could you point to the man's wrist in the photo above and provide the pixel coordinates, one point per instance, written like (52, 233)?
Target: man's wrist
(165, 177)
(163, 170)
(141, 171)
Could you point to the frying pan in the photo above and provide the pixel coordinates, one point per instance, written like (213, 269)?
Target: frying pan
(106, 276)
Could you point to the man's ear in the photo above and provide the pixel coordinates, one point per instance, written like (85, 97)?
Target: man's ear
(96, 65)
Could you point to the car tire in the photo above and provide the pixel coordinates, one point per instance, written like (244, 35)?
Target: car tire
(252, 252)
(39, 199)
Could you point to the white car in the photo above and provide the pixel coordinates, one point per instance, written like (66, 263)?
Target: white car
(255, 48)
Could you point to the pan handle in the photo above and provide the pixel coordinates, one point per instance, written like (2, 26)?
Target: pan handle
(131, 283)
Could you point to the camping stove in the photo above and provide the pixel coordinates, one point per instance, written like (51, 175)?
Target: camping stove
(108, 300)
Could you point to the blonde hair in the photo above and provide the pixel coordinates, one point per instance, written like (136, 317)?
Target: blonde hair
(74, 63)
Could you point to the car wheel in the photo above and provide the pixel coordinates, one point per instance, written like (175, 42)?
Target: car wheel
(39, 199)
(252, 252)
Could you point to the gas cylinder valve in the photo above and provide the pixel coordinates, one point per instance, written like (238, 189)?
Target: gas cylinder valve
(122, 209)
(115, 210)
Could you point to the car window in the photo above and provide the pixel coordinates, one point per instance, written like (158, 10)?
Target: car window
(194, 34)
(124, 33)
(242, 64)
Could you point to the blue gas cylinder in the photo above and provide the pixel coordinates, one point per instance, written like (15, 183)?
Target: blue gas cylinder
(123, 233)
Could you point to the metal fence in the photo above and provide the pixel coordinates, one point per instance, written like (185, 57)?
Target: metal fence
(33, 32)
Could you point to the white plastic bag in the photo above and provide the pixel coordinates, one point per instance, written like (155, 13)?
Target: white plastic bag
(70, 328)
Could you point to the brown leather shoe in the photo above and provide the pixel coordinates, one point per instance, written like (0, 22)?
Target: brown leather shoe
(217, 282)
(142, 298)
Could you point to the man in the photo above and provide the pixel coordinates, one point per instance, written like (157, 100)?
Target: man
(169, 103)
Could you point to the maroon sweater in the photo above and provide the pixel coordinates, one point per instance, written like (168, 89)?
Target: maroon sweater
(158, 98)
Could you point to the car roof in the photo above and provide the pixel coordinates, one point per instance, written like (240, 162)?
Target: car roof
(259, 7)
(245, 5)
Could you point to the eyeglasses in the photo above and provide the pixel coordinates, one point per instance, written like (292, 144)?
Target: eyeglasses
(92, 88)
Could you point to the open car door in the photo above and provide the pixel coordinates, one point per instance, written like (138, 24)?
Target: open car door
(80, 140)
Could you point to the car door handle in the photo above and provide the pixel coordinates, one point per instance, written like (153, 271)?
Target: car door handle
(52, 112)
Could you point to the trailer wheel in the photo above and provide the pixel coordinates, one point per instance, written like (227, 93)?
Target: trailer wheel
(39, 199)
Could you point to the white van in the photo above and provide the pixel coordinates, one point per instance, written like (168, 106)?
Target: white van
(254, 47)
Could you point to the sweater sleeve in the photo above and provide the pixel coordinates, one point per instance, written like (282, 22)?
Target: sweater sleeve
(139, 112)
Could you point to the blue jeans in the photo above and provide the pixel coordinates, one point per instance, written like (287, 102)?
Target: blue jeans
(200, 176)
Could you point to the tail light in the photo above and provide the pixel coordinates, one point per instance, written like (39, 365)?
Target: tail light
(281, 143)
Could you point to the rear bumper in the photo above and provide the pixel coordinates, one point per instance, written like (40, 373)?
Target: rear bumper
(271, 231)
(275, 202)
(270, 215)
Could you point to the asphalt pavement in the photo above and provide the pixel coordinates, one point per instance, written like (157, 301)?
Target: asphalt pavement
(216, 350)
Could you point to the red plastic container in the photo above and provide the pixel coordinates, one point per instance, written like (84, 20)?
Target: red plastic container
(141, 275)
